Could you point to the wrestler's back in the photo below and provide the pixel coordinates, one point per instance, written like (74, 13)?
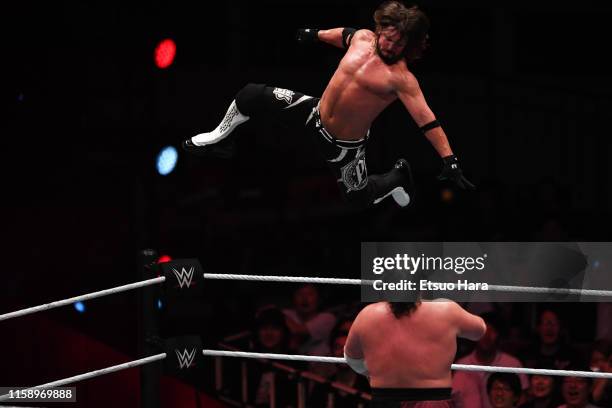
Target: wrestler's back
(414, 351)
(359, 90)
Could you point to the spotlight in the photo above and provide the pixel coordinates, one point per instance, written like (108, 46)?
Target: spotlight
(80, 307)
(165, 53)
(164, 258)
(166, 160)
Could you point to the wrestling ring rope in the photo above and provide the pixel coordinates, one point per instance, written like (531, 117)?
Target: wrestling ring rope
(190, 272)
(286, 279)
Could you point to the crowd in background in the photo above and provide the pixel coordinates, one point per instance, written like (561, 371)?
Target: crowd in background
(303, 326)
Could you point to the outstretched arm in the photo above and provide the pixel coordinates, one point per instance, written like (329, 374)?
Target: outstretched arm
(338, 37)
(412, 97)
(409, 92)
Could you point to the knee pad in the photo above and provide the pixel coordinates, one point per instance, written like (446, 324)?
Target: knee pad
(250, 98)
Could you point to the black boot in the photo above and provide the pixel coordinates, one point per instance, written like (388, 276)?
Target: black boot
(397, 183)
(404, 193)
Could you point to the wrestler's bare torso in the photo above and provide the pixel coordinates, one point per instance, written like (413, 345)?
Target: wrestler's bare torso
(362, 87)
(415, 351)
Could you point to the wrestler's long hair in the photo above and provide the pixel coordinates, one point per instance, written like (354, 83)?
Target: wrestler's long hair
(411, 23)
(400, 309)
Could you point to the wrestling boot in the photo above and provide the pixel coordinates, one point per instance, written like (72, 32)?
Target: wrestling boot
(223, 149)
(404, 193)
(220, 142)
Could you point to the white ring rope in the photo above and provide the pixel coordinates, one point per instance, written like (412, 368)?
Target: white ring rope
(560, 291)
(459, 367)
(306, 279)
(496, 288)
(273, 356)
(290, 279)
(297, 357)
(96, 373)
(531, 371)
(81, 298)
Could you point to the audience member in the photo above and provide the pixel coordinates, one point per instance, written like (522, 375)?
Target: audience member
(504, 390)
(470, 388)
(544, 390)
(577, 390)
(601, 361)
(310, 328)
(550, 348)
(271, 335)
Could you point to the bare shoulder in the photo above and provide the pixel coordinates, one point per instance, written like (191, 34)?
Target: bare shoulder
(444, 307)
(363, 35)
(372, 308)
(403, 79)
(372, 311)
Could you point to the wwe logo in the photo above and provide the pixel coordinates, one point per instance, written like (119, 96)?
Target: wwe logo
(185, 358)
(184, 277)
(283, 94)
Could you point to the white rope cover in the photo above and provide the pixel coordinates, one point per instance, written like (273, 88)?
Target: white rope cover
(297, 357)
(292, 279)
(459, 367)
(307, 279)
(289, 279)
(273, 356)
(289, 357)
(559, 291)
(81, 298)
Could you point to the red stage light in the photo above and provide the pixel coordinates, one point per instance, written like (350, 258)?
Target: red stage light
(164, 258)
(165, 53)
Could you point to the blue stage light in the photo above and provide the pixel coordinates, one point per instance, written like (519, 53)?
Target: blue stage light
(80, 307)
(166, 160)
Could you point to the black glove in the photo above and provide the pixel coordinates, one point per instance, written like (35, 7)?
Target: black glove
(307, 35)
(452, 172)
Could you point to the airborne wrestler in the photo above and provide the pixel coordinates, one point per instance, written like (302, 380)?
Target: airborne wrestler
(373, 73)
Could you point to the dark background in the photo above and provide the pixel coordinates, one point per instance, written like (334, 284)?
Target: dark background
(523, 92)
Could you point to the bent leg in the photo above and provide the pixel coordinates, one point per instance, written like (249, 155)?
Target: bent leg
(238, 112)
(395, 183)
(362, 191)
(281, 104)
